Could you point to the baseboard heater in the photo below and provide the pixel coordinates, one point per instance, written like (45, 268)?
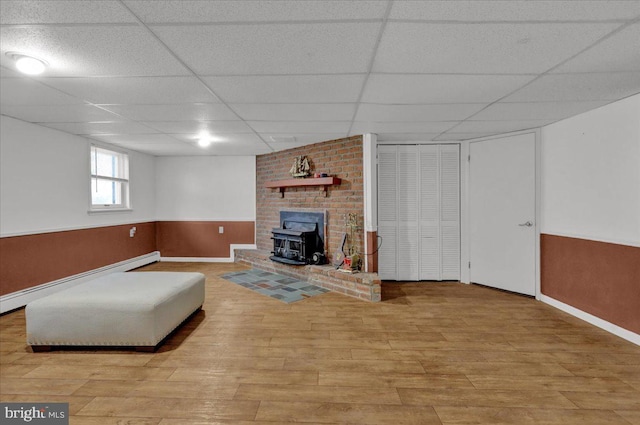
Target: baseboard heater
(19, 299)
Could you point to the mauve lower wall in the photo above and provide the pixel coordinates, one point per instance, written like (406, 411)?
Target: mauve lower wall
(202, 238)
(340, 158)
(602, 279)
(31, 260)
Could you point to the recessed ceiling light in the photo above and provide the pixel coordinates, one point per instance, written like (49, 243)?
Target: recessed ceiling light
(204, 139)
(28, 64)
(203, 143)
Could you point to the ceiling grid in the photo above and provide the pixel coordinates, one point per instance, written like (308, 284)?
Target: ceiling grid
(271, 75)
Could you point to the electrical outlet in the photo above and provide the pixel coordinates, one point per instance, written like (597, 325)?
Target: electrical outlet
(132, 231)
(221, 229)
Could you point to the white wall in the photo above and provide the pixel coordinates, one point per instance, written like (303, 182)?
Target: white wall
(206, 188)
(591, 174)
(44, 182)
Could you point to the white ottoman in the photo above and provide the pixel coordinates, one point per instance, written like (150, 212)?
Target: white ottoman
(121, 309)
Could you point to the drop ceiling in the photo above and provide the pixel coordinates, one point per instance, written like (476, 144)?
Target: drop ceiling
(264, 76)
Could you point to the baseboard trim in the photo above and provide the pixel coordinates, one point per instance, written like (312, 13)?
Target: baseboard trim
(229, 259)
(596, 321)
(195, 260)
(21, 298)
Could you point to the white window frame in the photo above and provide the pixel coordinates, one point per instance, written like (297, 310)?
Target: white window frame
(122, 178)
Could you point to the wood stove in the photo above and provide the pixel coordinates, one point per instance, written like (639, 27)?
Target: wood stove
(299, 239)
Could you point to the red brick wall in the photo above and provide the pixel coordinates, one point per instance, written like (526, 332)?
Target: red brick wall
(340, 158)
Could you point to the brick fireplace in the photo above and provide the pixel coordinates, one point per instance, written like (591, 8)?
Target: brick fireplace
(341, 158)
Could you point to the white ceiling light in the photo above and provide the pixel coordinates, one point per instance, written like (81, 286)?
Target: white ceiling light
(204, 139)
(28, 64)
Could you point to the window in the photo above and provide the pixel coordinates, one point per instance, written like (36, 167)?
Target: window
(109, 179)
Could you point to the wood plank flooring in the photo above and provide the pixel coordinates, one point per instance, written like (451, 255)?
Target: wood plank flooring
(430, 353)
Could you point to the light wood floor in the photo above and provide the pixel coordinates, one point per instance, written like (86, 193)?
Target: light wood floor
(428, 354)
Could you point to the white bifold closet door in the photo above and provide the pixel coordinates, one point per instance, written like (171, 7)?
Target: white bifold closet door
(419, 212)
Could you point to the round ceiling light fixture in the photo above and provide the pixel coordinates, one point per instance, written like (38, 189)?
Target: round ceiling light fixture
(204, 139)
(28, 64)
(203, 143)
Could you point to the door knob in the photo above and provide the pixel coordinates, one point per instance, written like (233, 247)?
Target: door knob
(527, 224)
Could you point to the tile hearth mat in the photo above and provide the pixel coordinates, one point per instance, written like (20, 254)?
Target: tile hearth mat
(283, 288)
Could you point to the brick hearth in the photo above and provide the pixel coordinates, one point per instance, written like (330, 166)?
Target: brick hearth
(365, 286)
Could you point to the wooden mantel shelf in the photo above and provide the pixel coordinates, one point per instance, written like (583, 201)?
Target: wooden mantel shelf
(325, 182)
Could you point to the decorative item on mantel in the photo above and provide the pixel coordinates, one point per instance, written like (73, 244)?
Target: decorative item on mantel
(301, 167)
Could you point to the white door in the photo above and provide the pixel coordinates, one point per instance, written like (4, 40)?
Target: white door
(388, 212)
(502, 213)
(398, 212)
(418, 212)
(450, 212)
(408, 259)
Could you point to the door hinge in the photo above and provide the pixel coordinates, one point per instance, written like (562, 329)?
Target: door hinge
(469, 264)
(469, 158)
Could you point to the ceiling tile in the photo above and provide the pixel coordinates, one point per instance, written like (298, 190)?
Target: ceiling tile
(54, 113)
(228, 147)
(482, 48)
(401, 127)
(28, 92)
(426, 89)
(153, 11)
(368, 112)
(237, 138)
(89, 128)
(287, 89)
(166, 149)
(406, 137)
(509, 10)
(134, 90)
(495, 127)
(461, 136)
(535, 110)
(63, 12)
(9, 73)
(571, 87)
(279, 147)
(236, 149)
(295, 112)
(300, 139)
(135, 139)
(195, 127)
(74, 51)
(617, 53)
(273, 49)
(300, 126)
(184, 112)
